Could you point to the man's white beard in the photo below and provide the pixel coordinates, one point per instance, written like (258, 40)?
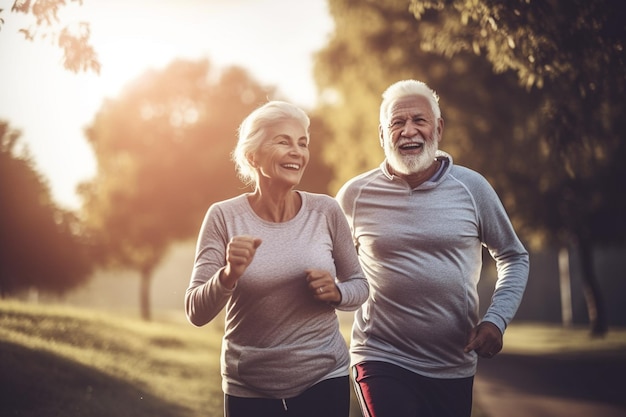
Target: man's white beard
(412, 164)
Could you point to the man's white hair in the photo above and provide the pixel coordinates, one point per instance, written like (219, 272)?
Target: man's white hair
(407, 88)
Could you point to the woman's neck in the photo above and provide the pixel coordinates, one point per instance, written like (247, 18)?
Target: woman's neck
(277, 206)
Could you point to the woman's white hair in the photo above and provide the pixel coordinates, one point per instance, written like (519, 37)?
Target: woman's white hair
(253, 129)
(407, 88)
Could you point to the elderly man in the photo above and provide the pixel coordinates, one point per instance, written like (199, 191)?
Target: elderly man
(419, 223)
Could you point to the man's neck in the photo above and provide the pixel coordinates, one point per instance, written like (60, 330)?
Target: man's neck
(418, 178)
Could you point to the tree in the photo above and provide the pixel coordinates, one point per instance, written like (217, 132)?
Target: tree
(163, 152)
(73, 40)
(318, 174)
(572, 54)
(40, 244)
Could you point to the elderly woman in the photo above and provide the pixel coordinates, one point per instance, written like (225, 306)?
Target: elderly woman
(281, 261)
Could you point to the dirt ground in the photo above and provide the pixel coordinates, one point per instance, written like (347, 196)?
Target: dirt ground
(552, 385)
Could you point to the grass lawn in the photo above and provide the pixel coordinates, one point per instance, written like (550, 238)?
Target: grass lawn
(532, 339)
(66, 362)
(69, 362)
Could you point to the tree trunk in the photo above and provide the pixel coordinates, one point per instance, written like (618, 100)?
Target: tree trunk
(565, 287)
(144, 293)
(592, 293)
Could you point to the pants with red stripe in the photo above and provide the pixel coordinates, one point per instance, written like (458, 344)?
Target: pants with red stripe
(386, 390)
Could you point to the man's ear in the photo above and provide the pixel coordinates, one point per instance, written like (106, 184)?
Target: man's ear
(380, 136)
(440, 128)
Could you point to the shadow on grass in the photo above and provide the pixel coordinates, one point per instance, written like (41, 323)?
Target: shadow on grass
(592, 377)
(40, 384)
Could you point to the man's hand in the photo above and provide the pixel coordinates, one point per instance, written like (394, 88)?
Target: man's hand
(485, 339)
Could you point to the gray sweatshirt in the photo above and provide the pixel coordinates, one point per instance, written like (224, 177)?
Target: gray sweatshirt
(278, 339)
(421, 251)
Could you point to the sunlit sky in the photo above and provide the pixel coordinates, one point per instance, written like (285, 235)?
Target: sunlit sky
(273, 39)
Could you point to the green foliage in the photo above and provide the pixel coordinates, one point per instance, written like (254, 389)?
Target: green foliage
(541, 41)
(72, 39)
(40, 245)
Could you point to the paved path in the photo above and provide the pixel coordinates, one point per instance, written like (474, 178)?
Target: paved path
(552, 386)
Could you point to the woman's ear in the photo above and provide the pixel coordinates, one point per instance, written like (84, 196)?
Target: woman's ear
(251, 161)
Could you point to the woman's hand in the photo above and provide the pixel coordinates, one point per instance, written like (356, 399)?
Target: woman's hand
(239, 254)
(323, 286)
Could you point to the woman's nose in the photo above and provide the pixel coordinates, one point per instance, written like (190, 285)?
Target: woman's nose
(296, 150)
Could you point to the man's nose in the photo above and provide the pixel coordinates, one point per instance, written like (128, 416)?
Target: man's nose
(409, 128)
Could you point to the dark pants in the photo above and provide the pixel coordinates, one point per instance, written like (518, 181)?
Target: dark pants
(329, 398)
(386, 390)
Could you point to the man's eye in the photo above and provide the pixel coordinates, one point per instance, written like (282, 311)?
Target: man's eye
(397, 123)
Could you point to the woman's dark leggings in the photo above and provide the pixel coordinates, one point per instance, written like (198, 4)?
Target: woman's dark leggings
(329, 398)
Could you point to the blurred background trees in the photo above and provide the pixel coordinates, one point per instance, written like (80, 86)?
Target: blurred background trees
(41, 246)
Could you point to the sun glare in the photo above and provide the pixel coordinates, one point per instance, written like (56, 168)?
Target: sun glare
(272, 39)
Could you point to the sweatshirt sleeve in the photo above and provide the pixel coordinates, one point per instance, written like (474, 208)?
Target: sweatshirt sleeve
(351, 280)
(510, 256)
(206, 296)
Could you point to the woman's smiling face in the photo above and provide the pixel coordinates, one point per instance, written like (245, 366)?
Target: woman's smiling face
(284, 154)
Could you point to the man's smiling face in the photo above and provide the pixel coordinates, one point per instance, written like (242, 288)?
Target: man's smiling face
(411, 137)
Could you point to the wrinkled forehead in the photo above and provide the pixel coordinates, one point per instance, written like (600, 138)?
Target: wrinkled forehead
(289, 128)
(409, 106)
